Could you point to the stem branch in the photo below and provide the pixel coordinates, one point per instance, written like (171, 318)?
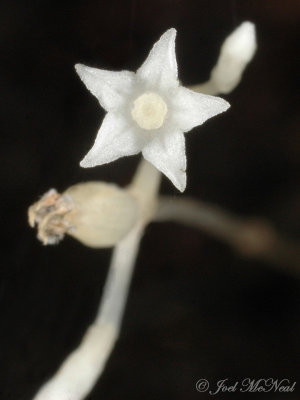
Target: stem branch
(254, 238)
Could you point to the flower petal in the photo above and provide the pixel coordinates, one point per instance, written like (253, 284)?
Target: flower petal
(115, 139)
(192, 109)
(111, 88)
(160, 67)
(167, 153)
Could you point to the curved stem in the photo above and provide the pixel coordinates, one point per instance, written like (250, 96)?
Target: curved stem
(236, 52)
(254, 237)
(79, 372)
(117, 283)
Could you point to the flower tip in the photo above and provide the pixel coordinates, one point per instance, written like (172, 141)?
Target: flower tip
(84, 163)
(169, 35)
(247, 31)
(79, 68)
(181, 188)
(242, 41)
(172, 31)
(180, 181)
(226, 105)
(247, 26)
(221, 105)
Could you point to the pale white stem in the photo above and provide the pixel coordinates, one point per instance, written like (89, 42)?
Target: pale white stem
(144, 188)
(146, 180)
(236, 52)
(77, 375)
(117, 284)
(79, 372)
(206, 88)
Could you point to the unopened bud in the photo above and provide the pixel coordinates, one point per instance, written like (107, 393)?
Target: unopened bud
(236, 52)
(97, 214)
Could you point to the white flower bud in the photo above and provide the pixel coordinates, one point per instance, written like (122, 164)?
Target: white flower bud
(236, 52)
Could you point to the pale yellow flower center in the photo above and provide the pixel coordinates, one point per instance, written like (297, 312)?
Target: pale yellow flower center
(149, 111)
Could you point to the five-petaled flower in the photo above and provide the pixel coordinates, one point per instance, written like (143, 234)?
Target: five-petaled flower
(148, 111)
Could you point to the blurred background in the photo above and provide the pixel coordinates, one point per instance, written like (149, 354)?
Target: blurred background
(196, 309)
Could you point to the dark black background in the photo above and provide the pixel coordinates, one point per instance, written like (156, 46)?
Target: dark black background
(196, 308)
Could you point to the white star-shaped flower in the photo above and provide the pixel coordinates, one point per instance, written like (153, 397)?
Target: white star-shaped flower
(148, 111)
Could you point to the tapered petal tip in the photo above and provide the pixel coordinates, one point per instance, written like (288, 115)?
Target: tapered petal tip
(85, 163)
(194, 108)
(224, 105)
(79, 68)
(92, 160)
(220, 106)
(180, 182)
(160, 67)
(170, 34)
(83, 73)
(178, 178)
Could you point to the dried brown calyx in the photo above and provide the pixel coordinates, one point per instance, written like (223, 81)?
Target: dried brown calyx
(48, 214)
